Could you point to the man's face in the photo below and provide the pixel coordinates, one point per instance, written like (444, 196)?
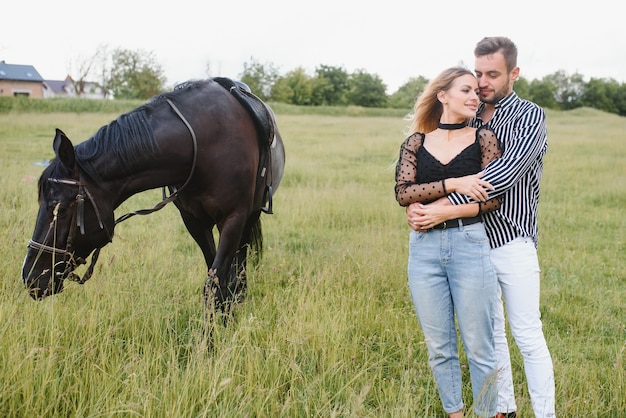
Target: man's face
(494, 81)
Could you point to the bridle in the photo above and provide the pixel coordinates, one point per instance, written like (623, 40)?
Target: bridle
(78, 218)
(78, 221)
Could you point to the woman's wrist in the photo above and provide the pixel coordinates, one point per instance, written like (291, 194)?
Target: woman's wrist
(450, 185)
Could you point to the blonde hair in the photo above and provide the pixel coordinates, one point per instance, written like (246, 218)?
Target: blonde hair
(428, 109)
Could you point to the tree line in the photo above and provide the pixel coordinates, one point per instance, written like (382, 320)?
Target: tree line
(136, 74)
(334, 86)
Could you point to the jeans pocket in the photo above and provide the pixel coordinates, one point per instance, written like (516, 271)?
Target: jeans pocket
(416, 237)
(475, 233)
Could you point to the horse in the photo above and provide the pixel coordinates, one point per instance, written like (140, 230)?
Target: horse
(211, 144)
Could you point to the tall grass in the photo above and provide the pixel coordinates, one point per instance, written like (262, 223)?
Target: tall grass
(327, 329)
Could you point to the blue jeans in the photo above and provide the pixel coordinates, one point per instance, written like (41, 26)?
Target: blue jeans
(450, 271)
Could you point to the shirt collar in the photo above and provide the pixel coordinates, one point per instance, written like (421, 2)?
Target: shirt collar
(503, 103)
(508, 100)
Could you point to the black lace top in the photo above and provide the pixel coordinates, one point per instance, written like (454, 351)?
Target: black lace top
(419, 174)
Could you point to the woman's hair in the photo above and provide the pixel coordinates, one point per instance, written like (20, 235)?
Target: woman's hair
(428, 109)
(501, 44)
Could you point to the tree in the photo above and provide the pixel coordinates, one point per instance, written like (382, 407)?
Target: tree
(568, 89)
(135, 75)
(619, 98)
(522, 88)
(260, 78)
(367, 90)
(598, 94)
(321, 90)
(82, 68)
(281, 92)
(543, 93)
(330, 86)
(103, 59)
(407, 94)
(294, 88)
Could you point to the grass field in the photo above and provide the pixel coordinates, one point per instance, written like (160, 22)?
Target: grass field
(327, 329)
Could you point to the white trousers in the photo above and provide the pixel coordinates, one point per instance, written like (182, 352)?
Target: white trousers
(517, 267)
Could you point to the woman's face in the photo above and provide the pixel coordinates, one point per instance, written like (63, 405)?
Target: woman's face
(462, 97)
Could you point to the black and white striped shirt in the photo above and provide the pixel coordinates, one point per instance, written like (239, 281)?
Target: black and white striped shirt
(521, 127)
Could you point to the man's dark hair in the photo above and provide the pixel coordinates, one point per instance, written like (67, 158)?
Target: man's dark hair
(492, 44)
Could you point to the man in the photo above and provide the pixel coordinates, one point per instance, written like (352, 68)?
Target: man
(512, 230)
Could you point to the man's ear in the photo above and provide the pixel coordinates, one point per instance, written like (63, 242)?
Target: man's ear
(514, 73)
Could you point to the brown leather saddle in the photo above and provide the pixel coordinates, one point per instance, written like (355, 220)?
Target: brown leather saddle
(263, 118)
(258, 110)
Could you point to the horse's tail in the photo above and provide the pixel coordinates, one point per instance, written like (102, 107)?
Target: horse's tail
(248, 254)
(255, 252)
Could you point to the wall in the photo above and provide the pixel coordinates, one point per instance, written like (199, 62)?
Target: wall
(27, 88)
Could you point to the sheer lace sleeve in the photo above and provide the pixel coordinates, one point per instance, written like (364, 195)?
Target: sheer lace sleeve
(407, 189)
(489, 146)
(490, 150)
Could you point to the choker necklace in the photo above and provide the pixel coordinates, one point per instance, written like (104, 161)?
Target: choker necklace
(452, 126)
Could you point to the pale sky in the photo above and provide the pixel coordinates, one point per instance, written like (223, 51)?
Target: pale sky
(394, 39)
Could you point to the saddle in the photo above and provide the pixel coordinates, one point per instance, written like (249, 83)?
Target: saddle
(263, 118)
(258, 110)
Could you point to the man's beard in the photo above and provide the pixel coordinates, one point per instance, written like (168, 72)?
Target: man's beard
(497, 95)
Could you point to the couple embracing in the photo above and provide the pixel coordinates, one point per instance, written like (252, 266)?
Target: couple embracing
(469, 175)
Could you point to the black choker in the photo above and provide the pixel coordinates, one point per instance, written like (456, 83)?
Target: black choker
(452, 126)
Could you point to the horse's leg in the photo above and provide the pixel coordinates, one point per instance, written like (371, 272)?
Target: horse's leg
(222, 283)
(251, 240)
(202, 234)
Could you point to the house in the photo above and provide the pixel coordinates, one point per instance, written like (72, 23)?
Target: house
(67, 88)
(20, 80)
(93, 90)
(59, 88)
(24, 80)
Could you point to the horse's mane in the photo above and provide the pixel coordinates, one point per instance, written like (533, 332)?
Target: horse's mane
(120, 145)
(127, 141)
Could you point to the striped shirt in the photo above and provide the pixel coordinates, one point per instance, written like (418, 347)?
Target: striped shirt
(521, 127)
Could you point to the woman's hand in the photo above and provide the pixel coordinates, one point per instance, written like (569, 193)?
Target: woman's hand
(471, 186)
(421, 217)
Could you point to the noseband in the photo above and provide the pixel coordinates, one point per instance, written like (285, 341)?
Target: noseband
(78, 221)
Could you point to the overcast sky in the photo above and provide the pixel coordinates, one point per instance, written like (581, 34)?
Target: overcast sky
(394, 39)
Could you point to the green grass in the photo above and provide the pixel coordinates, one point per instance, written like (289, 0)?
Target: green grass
(327, 329)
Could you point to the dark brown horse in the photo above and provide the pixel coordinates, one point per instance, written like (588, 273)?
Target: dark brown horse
(214, 146)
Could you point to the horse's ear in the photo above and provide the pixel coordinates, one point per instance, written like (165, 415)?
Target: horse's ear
(64, 149)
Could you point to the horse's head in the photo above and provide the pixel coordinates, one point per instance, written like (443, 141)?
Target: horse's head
(71, 223)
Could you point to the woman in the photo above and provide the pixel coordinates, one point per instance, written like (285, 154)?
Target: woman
(449, 268)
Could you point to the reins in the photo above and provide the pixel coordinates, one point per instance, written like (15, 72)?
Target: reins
(174, 194)
(79, 221)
